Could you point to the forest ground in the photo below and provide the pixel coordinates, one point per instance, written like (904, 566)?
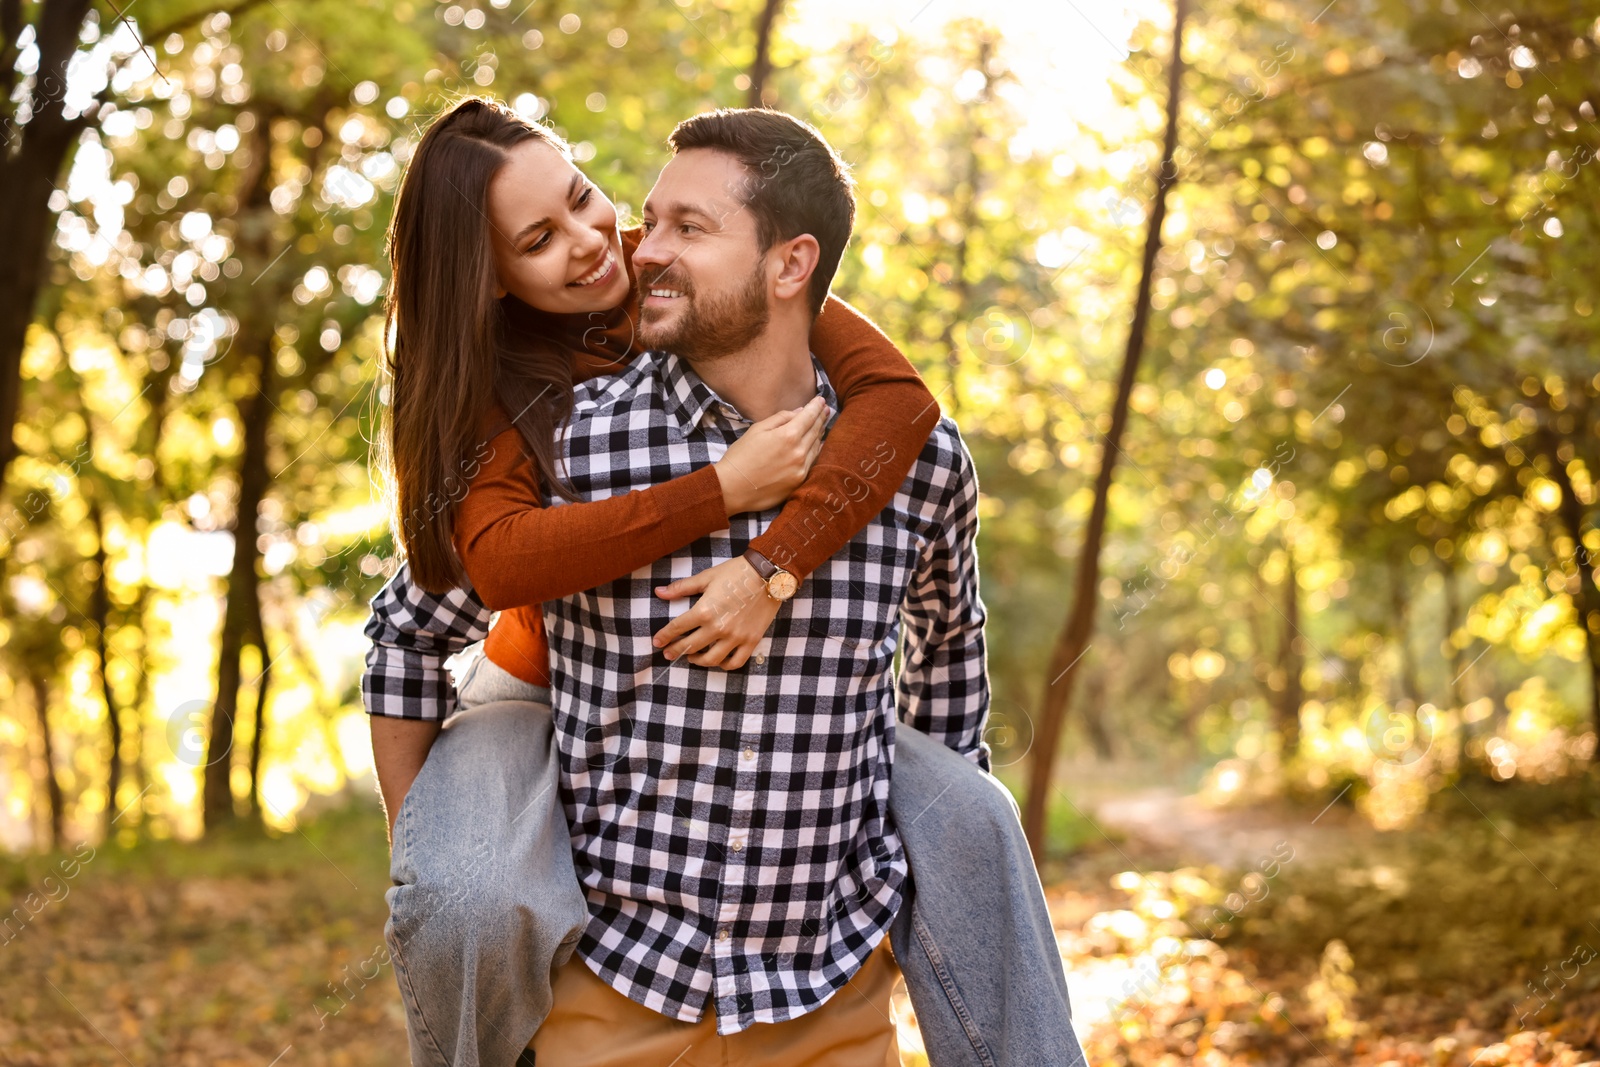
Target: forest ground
(1345, 947)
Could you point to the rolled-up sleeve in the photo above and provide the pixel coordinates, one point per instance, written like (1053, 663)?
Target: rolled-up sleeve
(413, 632)
(944, 679)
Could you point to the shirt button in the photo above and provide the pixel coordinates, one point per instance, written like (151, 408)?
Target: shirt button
(758, 659)
(749, 753)
(738, 846)
(722, 934)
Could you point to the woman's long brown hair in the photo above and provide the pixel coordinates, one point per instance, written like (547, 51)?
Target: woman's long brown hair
(453, 349)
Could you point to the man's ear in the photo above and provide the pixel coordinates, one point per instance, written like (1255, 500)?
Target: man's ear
(796, 260)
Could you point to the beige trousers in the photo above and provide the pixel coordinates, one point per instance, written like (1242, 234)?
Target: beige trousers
(592, 1025)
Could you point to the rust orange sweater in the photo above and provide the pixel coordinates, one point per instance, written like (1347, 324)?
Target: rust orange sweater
(519, 554)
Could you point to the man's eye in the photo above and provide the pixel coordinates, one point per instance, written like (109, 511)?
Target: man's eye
(647, 225)
(687, 228)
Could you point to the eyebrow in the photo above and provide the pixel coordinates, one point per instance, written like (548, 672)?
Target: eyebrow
(679, 208)
(572, 187)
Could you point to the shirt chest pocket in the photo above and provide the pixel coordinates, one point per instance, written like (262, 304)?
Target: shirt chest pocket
(856, 633)
(855, 597)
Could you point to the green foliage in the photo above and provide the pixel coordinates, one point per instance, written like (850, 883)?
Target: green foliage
(1370, 360)
(1409, 912)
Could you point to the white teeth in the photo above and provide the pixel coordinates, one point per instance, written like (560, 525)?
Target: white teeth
(599, 272)
(665, 292)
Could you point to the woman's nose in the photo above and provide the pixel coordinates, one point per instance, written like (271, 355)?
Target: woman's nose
(589, 244)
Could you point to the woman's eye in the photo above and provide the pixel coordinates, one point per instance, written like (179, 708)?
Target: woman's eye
(583, 198)
(538, 245)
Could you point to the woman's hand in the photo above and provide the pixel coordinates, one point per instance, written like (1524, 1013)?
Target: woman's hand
(724, 626)
(769, 462)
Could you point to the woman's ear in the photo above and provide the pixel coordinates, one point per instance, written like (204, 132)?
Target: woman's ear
(796, 262)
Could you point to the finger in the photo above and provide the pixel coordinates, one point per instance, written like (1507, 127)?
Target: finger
(692, 619)
(811, 457)
(795, 429)
(803, 418)
(774, 420)
(695, 583)
(739, 656)
(690, 644)
(713, 656)
(813, 433)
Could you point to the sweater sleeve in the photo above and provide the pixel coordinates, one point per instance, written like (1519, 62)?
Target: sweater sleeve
(886, 414)
(517, 552)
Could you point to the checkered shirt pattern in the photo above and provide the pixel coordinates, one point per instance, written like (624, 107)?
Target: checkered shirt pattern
(413, 632)
(731, 829)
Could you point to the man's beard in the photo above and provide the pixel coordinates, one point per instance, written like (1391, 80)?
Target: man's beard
(707, 327)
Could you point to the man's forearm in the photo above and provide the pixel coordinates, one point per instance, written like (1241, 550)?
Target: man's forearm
(399, 749)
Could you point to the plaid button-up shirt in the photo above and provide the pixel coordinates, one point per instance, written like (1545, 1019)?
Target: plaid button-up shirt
(731, 829)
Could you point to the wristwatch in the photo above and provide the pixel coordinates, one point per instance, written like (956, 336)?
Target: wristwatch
(781, 585)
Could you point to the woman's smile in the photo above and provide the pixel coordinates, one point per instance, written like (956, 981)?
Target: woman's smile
(600, 275)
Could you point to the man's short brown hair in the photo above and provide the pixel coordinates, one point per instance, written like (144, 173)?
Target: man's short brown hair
(795, 182)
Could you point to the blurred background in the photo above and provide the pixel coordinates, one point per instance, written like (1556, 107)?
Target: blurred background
(1280, 369)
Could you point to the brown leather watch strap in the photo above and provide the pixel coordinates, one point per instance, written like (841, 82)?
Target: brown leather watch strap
(764, 566)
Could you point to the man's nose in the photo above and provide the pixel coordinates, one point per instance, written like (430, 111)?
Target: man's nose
(652, 251)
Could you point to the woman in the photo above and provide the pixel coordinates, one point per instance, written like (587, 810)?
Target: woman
(548, 290)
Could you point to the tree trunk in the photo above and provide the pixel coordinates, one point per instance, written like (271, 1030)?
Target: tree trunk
(258, 731)
(1290, 660)
(100, 617)
(241, 617)
(52, 782)
(28, 174)
(157, 388)
(1587, 598)
(1073, 642)
(1400, 617)
(761, 66)
(1094, 716)
(27, 178)
(1455, 657)
(139, 763)
(1452, 623)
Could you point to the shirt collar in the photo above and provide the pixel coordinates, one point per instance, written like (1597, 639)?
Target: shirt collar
(689, 400)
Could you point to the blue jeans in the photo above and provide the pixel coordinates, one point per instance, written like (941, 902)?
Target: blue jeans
(486, 902)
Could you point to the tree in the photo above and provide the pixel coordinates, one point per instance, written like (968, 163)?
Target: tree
(52, 779)
(761, 66)
(241, 620)
(1073, 643)
(27, 178)
(39, 134)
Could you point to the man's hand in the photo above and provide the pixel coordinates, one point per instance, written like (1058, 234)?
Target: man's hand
(724, 626)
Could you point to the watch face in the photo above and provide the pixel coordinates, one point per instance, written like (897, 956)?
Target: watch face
(782, 586)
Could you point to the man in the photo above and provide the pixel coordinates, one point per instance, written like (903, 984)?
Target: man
(731, 830)
(739, 862)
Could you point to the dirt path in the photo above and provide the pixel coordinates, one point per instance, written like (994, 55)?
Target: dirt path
(1198, 833)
